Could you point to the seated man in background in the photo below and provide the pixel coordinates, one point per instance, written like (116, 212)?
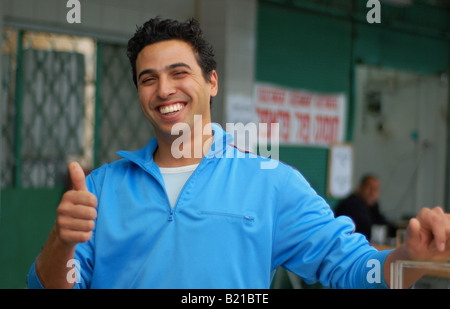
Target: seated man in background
(363, 208)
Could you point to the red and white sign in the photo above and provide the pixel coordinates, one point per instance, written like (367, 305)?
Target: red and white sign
(304, 118)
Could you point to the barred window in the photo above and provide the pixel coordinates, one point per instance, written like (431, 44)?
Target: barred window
(64, 98)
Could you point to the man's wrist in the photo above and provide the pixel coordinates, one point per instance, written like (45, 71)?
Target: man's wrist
(51, 262)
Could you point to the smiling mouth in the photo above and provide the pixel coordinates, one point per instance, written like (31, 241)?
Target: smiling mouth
(171, 108)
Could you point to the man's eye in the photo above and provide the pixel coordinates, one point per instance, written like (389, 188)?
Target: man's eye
(180, 73)
(147, 80)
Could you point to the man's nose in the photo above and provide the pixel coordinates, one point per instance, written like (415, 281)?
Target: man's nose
(165, 88)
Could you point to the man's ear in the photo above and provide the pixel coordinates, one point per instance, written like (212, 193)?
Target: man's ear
(214, 83)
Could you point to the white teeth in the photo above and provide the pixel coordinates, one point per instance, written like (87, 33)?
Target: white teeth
(171, 108)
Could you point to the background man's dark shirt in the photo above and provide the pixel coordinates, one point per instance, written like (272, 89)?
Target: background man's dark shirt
(363, 215)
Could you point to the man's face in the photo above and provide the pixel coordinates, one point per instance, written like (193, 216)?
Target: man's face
(370, 191)
(171, 86)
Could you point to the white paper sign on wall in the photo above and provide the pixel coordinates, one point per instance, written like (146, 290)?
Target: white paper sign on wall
(340, 170)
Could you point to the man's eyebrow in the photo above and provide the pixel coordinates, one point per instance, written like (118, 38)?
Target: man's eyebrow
(147, 71)
(178, 64)
(169, 67)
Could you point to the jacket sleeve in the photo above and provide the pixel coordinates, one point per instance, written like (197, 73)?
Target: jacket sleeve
(311, 242)
(33, 281)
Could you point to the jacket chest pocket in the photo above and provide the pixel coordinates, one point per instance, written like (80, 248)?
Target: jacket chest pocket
(223, 217)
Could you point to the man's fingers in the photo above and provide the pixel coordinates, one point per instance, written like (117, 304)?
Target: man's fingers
(439, 224)
(436, 222)
(76, 216)
(80, 197)
(414, 231)
(77, 210)
(75, 224)
(77, 176)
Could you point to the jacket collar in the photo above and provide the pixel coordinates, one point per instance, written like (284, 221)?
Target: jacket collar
(144, 157)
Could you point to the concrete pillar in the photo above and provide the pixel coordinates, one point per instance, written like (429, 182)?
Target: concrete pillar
(2, 10)
(230, 26)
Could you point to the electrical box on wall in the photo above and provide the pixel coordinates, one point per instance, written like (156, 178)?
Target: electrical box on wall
(373, 102)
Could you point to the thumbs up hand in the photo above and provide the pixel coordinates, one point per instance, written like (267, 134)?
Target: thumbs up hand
(76, 213)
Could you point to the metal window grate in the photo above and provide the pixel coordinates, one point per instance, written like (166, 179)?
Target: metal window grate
(52, 110)
(44, 89)
(7, 110)
(123, 126)
(64, 98)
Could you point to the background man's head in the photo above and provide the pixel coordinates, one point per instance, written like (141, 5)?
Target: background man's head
(369, 188)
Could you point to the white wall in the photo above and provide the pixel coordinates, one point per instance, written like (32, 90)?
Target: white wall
(409, 152)
(231, 27)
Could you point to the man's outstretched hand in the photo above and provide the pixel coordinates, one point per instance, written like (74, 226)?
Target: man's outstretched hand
(427, 239)
(428, 236)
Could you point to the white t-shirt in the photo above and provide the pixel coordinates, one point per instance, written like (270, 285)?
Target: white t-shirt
(174, 180)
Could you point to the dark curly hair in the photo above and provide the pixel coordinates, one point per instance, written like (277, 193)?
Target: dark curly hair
(157, 30)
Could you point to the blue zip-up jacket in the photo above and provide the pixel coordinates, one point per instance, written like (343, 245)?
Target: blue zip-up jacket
(233, 225)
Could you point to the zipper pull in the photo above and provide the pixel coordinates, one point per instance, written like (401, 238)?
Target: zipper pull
(170, 215)
(248, 218)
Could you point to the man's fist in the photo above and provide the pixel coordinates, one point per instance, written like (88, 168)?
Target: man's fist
(76, 213)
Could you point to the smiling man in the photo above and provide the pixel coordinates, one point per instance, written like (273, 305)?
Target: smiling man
(173, 89)
(218, 220)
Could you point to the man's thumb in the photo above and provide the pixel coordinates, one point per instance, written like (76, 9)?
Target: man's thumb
(77, 176)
